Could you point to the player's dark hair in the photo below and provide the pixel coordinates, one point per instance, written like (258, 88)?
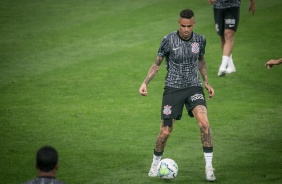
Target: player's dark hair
(46, 158)
(187, 14)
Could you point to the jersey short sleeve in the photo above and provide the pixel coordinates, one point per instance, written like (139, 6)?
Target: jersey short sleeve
(164, 48)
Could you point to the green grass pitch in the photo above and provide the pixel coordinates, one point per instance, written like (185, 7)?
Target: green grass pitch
(70, 72)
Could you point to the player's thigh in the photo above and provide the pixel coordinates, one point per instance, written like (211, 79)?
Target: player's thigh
(195, 98)
(172, 104)
(200, 114)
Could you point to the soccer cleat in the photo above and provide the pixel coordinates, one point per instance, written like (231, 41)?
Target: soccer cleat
(230, 69)
(210, 174)
(221, 71)
(153, 171)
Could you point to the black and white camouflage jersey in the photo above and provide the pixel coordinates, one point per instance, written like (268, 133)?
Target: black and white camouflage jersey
(182, 59)
(221, 4)
(44, 180)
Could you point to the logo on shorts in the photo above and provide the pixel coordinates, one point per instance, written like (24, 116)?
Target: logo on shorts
(216, 28)
(195, 47)
(167, 110)
(197, 97)
(230, 21)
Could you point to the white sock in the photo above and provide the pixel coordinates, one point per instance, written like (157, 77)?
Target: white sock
(230, 62)
(208, 159)
(224, 61)
(156, 159)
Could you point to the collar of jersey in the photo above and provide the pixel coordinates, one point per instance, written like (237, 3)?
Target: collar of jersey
(184, 39)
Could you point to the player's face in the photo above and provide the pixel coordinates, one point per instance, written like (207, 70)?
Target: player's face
(186, 27)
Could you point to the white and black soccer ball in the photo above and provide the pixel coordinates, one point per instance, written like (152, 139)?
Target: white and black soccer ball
(167, 169)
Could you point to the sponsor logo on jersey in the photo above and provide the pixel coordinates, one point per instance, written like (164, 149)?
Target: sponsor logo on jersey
(195, 47)
(197, 97)
(167, 110)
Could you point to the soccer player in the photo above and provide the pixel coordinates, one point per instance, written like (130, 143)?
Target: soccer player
(47, 166)
(272, 62)
(226, 17)
(184, 52)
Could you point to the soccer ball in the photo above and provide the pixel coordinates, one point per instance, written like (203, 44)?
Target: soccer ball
(167, 169)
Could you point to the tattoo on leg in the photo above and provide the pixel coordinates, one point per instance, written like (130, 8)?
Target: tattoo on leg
(200, 113)
(199, 110)
(162, 138)
(206, 137)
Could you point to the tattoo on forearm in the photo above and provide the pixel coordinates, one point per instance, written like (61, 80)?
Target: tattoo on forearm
(153, 70)
(204, 76)
(202, 69)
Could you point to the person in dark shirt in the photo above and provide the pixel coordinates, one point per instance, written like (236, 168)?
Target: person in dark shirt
(46, 166)
(184, 52)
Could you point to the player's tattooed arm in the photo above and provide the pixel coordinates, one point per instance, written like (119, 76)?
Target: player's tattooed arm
(153, 70)
(151, 74)
(202, 68)
(203, 71)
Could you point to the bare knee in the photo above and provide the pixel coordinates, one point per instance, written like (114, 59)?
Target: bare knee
(164, 133)
(166, 128)
(200, 113)
(229, 35)
(204, 127)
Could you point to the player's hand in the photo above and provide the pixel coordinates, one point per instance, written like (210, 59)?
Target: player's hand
(270, 63)
(211, 1)
(210, 90)
(252, 8)
(143, 89)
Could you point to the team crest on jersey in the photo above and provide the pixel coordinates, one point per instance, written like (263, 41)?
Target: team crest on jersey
(195, 47)
(167, 110)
